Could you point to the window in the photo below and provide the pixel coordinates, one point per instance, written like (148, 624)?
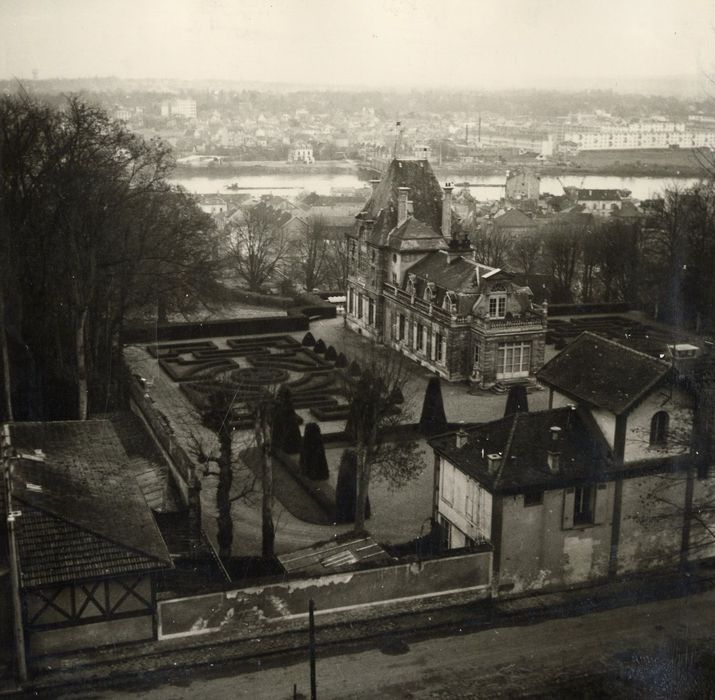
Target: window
(351, 300)
(533, 498)
(447, 485)
(583, 506)
(476, 354)
(420, 337)
(359, 306)
(400, 327)
(497, 305)
(659, 428)
(513, 360)
(439, 347)
(371, 312)
(445, 531)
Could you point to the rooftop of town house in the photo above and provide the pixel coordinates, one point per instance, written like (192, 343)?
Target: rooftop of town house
(603, 373)
(413, 235)
(83, 513)
(514, 218)
(512, 454)
(596, 195)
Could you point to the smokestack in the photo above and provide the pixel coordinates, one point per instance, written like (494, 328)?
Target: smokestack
(447, 211)
(553, 456)
(402, 204)
(374, 184)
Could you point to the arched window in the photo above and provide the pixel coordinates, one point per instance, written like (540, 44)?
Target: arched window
(659, 428)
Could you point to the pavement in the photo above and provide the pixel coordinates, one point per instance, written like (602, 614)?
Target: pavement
(155, 662)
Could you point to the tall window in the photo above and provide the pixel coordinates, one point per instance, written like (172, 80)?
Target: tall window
(371, 312)
(400, 327)
(659, 428)
(513, 360)
(583, 506)
(359, 306)
(351, 301)
(476, 354)
(497, 305)
(420, 337)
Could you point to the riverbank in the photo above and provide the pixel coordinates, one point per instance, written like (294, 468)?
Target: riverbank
(266, 167)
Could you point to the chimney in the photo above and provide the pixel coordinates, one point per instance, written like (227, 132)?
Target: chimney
(374, 184)
(553, 456)
(447, 211)
(493, 461)
(461, 440)
(402, 204)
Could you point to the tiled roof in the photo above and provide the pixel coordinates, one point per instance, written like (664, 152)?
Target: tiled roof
(603, 373)
(514, 218)
(86, 515)
(523, 440)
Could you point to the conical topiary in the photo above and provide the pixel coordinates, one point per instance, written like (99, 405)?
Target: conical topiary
(354, 369)
(331, 354)
(516, 400)
(308, 340)
(341, 360)
(313, 463)
(320, 347)
(433, 419)
(291, 441)
(346, 489)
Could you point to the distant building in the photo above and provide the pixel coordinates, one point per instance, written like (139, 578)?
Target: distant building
(598, 201)
(640, 135)
(185, 107)
(301, 153)
(413, 285)
(522, 184)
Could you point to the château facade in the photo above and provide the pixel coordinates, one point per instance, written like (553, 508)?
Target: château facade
(413, 285)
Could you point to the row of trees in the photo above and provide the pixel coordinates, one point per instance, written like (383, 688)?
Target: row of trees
(90, 232)
(664, 264)
(262, 248)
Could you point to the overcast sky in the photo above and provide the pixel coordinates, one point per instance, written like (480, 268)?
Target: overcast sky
(363, 42)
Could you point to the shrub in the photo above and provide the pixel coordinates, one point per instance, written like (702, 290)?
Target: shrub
(313, 463)
(516, 401)
(331, 354)
(341, 360)
(292, 442)
(433, 419)
(346, 489)
(284, 421)
(354, 369)
(308, 340)
(320, 347)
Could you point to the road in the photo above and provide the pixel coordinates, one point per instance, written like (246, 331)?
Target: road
(501, 662)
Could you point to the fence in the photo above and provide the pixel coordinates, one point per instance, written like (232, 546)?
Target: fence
(249, 609)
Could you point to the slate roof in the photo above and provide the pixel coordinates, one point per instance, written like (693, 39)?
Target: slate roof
(425, 194)
(603, 373)
(413, 235)
(83, 512)
(513, 218)
(524, 439)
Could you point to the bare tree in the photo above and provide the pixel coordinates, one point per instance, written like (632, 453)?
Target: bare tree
(562, 247)
(491, 246)
(375, 398)
(526, 252)
(258, 244)
(312, 249)
(337, 264)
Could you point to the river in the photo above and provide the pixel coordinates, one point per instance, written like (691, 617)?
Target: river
(484, 186)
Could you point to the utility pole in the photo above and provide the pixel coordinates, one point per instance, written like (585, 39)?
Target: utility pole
(311, 633)
(6, 459)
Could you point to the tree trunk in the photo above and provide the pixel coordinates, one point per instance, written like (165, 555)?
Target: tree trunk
(5, 360)
(80, 350)
(223, 494)
(269, 533)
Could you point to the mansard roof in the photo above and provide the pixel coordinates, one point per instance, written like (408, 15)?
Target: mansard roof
(425, 195)
(413, 235)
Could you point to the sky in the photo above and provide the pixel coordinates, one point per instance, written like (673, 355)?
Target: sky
(377, 43)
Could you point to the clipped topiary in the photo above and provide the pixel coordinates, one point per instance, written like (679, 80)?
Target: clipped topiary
(308, 340)
(354, 369)
(320, 347)
(341, 360)
(516, 400)
(396, 397)
(312, 456)
(283, 409)
(291, 441)
(346, 489)
(433, 419)
(331, 354)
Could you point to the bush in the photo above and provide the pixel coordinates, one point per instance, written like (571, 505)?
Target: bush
(313, 463)
(341, 360)
(354, 369)
(433, 419)
(331, 354)
(346, 489)
(308, 340)
(292, 442)
(320, 347)
(285, 423)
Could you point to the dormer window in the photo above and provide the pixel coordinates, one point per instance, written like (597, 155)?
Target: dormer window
(497, 302)
(450, 303)
(429, 292)
(411, 284)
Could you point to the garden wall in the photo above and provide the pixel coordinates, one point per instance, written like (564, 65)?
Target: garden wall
(403, 583)
(579, 309)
